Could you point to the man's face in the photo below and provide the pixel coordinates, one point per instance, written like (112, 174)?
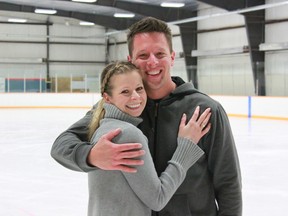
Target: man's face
(151, 54)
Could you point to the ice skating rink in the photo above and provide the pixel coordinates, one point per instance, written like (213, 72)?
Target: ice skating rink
(33, 184)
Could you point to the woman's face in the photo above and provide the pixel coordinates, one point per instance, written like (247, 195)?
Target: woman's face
(128, 93)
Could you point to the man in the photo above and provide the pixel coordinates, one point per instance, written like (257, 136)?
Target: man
(213, 185)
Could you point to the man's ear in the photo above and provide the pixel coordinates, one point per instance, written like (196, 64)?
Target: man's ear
(106, 97)
(129, 58)
(173, 58)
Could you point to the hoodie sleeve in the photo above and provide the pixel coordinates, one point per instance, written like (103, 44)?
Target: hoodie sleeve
(224, 165)
(71, 147)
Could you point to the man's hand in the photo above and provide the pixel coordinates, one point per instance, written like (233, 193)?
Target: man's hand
(109, 156)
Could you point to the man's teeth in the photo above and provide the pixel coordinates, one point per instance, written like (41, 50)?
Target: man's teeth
(153, 72)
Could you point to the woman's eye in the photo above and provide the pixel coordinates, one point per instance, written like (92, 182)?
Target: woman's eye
(140, 88)
(125, 92)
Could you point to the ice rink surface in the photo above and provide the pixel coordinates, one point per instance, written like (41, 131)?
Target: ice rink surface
(33, 184)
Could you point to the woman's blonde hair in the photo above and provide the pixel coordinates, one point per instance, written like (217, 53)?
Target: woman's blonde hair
(114, 68)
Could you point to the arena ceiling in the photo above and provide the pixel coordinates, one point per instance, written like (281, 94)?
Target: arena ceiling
(102, 12)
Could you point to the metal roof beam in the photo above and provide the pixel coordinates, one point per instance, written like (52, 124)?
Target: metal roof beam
(255, 28)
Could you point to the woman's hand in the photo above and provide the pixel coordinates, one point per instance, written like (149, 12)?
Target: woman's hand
(196, 127)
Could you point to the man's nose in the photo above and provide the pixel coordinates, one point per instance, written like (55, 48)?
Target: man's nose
(152, 60)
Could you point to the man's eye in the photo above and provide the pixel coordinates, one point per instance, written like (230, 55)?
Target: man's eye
(143, 56)
(160, 55)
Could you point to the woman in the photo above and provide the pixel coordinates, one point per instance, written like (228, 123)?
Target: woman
(116, 193)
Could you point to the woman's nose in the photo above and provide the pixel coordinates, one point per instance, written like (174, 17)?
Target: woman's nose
(135, 95)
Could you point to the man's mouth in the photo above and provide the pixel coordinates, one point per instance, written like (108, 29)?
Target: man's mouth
(153, 73)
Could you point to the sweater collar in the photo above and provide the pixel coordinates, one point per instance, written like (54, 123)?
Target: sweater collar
(111, 111)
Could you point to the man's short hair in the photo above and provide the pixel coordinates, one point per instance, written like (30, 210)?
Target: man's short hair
(149, 24)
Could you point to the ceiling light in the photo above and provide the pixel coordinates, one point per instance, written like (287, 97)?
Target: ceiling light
(172, 4)
(16, 20)
(86, 23)
(124, 15)
(45, 11)
(87, 1)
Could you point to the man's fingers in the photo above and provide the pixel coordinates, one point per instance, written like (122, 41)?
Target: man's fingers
(130, 154)
(110, 135)
(124, 165)
(130, 162)
(110, 156)
(127, 147)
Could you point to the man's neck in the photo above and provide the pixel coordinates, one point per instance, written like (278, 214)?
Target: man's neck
(161, 93)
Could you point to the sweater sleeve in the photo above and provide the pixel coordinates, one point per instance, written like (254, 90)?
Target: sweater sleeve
(156, 191)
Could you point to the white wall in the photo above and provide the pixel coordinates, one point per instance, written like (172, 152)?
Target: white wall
(223, 74)
(68, 43)
(276, 64)
(226, 75)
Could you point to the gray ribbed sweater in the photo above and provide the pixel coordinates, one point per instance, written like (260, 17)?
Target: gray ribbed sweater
(115, 193)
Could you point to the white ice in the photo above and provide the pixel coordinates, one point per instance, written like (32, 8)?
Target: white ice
(33, 184)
